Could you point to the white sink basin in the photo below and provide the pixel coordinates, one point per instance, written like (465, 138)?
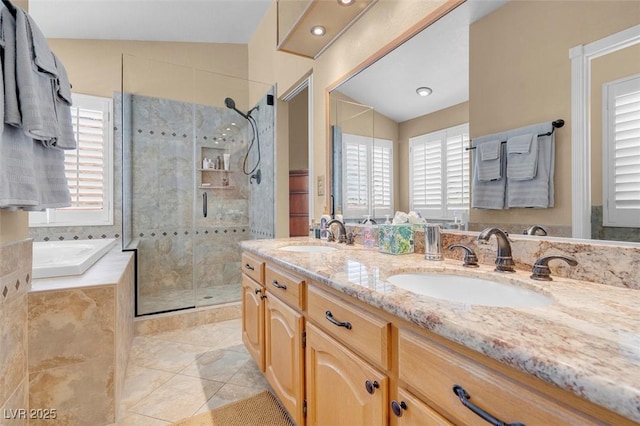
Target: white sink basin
(308, 249)
(470, 291)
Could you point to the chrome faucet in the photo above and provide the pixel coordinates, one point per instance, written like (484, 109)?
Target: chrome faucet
(533, 230)
(342, 234)
(504, 261)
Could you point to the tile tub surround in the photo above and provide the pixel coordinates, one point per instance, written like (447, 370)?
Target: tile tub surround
(15, 282)
(80, 331)
(586, 342)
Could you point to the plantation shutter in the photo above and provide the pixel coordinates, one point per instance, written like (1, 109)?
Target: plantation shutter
(621, 153)
(382, 177)
(457, 170)
(439, 173)
(355, 175)
(84, 166)
(426, 173)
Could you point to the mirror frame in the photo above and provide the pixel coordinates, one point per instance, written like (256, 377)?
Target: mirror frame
(413, 30)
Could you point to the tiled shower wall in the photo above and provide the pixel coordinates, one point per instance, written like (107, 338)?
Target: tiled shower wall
(262, 203)
(179, 248)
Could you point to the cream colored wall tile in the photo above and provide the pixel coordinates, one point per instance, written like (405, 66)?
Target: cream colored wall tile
(124, 328)
(15, 410)
(81, 393)
(13, 351)
(68, 327)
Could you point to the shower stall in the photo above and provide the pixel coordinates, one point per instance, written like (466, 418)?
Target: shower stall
(189, 184)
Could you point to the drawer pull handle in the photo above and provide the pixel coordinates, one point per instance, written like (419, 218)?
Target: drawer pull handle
(258, 291)
(371, 386)
(249, 267)
(346, 324)
(397, 407)
(276, 284)
(465, 400)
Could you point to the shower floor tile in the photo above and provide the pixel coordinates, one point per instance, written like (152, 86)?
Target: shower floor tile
(169, 299)
(176, 374)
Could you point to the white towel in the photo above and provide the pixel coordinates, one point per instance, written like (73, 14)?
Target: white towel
(488, 194)
(522, 157)
(488, 160)
(539, 191)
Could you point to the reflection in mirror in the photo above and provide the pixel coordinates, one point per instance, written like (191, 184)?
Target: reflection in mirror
(494, 83)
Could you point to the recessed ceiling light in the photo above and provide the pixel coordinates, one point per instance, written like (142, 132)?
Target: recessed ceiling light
(424, 91)
(346, 2)
(318, 30)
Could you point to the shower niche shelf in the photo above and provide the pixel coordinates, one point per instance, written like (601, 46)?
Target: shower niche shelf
(213, 178)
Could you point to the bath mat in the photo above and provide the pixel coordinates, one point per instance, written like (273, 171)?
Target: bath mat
(259, 410)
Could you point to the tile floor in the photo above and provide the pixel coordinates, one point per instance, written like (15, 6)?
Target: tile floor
(178, 374)
(170, 299)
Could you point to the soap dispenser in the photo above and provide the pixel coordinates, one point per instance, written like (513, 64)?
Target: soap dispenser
(367, 233)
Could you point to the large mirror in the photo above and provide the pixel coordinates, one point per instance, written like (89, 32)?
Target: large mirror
(494, 66)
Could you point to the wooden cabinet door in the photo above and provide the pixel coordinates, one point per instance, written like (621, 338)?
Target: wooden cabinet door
(342, 389)
(410, 411)
(253, 319)
(284, 360)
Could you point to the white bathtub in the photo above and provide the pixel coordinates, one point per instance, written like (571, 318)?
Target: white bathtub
(60, 258)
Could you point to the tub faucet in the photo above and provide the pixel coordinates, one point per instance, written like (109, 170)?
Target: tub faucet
(504, 261)
(342, 233)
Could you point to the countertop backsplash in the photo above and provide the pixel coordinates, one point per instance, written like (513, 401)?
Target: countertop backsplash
(610, 263)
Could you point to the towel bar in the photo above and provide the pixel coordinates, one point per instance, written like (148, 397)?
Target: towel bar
(556, 125)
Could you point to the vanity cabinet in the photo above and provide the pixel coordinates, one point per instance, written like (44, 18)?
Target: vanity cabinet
(411, 411)
(364, 366)
(433, 371)
(253, 307)
(284, 356)
(342, 388)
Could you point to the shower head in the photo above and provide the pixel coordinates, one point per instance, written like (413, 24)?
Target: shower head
(231, 104)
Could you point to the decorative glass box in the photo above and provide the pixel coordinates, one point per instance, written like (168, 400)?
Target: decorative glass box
(395, 239)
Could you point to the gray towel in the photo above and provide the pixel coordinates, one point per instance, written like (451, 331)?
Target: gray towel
(8, 34)
(35, 79)
(522, 156)
(488, 160)
(66, 138)
(539, 191)
(488, 194)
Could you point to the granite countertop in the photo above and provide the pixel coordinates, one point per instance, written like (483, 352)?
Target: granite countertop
(586, 342)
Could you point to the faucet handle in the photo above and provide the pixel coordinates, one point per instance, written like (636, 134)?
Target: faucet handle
(330, 236)
(351, 238)
(470, 258)
(541, 271)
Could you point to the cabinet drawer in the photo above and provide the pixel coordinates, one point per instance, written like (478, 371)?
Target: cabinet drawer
(286, 286)
(363, 332)
(253, 267)
(410, 411)
(433, 370)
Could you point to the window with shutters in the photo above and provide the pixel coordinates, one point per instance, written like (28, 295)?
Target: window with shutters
(621, 152)
(367, 176)
(89, 167)
(439, 173)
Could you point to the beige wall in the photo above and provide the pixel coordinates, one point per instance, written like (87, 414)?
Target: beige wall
(525, 78)
(383, 23)
(299, 131)
(448, 117)
(623, 63)
(160, 69)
